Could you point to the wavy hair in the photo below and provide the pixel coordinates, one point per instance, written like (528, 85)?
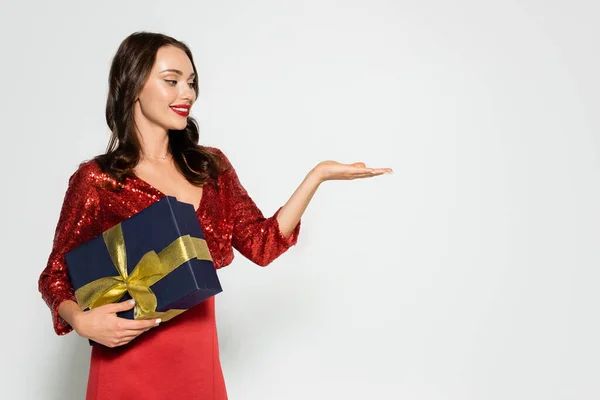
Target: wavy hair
(129, 71)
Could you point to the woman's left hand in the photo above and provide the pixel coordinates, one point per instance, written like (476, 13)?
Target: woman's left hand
(333, 170)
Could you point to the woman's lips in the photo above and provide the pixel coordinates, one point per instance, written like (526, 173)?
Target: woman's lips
(184, 111)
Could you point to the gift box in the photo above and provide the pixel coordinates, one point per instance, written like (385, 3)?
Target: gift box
(158, 256)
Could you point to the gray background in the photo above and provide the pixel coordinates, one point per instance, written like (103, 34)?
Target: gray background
(470, 273)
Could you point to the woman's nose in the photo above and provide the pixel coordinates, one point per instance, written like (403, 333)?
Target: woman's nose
(188, 93)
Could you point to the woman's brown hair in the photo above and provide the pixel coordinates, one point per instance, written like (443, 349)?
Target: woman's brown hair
(130, 68)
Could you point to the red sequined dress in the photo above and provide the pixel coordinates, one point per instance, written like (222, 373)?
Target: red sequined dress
(180, 358)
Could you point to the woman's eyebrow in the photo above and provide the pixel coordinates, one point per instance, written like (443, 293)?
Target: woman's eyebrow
(178, 72)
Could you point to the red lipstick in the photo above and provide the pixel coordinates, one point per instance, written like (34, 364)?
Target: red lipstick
(181, 109)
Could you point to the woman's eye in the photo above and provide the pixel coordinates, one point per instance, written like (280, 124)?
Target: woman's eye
(173, 83)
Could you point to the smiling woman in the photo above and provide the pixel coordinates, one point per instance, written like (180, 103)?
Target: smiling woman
(154, 152)
(169, 88)
(153, 86)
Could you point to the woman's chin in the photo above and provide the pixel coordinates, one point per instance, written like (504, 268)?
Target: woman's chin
(177, 126)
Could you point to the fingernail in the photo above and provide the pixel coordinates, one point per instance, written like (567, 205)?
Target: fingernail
(132, 301)
(157, 321)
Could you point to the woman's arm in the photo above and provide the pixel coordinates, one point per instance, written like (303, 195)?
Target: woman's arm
(76, 224)
(291, 213)
(261, 239)
(257, 238)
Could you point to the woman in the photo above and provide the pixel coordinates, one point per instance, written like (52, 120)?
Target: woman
(154, 152)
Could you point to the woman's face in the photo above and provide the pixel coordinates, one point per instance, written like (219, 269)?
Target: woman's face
(168, 94)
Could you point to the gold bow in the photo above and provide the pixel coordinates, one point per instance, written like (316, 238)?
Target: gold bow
(151, 268)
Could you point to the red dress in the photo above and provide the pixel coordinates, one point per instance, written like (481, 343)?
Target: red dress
(180, 358)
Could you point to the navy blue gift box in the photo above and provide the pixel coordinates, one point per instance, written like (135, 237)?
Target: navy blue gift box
(152, 230)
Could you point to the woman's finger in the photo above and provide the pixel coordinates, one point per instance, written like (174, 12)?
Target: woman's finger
(137, 324)
(376, 171)
(126, 339)
(134, 332)
(368, 174)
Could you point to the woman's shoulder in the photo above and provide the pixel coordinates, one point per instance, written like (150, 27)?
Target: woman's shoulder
(212, 149)
(224, 161)
(88, 173)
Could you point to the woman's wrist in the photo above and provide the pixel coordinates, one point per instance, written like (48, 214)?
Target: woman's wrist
(70, 312)
(315, 176)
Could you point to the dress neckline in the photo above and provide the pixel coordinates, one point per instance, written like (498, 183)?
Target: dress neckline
(151, 187)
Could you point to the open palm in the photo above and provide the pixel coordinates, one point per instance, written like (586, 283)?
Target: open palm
(333, 170)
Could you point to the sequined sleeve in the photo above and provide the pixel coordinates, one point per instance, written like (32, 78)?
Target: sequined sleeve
(257, 238)
(76, 225)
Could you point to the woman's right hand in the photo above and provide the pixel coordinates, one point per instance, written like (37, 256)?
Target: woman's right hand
(102, 325)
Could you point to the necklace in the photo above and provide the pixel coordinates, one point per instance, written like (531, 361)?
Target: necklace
(161, 157)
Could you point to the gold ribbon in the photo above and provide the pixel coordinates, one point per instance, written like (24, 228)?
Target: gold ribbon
(151, 268)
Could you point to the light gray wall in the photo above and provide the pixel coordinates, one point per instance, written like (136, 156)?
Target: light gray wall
(470, 273)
